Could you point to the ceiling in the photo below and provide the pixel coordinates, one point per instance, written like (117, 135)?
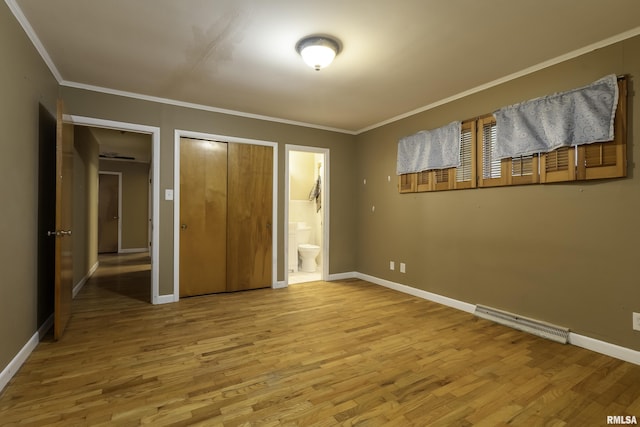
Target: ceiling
(239, 56)
(123, 145)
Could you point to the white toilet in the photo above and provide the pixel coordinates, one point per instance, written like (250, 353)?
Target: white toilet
(307, 252)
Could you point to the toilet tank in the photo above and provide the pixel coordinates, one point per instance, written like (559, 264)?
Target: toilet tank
(303, 233)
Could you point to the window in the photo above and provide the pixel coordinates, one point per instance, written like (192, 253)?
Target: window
(493, 172)
(558, 165)
(480, 168)
(465, 174)
(407, 183)
(607, 159)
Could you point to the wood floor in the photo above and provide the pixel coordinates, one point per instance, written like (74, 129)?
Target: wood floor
(317, 354)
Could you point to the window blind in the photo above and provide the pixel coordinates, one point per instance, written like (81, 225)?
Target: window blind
(465, 170)
(491, 165)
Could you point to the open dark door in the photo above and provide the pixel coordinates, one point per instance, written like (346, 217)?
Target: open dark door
(46, 215)
(108, 221)
(62, 232)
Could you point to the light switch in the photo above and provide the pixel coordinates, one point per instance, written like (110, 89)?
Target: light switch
(168, 194)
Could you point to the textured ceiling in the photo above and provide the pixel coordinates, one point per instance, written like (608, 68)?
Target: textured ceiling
(398, 56)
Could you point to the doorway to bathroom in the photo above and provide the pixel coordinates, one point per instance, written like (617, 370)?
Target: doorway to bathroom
(306, 214)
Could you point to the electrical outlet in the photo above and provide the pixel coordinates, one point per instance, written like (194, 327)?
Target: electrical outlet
(392, 265)
(636, 321)
(403, 267)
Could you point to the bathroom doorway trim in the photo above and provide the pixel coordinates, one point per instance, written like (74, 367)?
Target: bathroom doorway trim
(325, 207)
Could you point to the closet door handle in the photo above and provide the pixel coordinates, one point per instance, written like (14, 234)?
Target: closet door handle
(183, 226)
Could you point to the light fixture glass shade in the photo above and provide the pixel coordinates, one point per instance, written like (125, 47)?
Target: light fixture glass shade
(317, 52)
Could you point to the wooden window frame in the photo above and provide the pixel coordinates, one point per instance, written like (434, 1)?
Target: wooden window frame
(505, 164)
(618, 145)
(468, 126)
(541, 164)
(407, 183)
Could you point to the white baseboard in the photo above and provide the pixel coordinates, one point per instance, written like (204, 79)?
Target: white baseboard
(342, 276)
(132, 250)
(15, 364)
(450, 302)
(165, 299)
(78, 287)
(622, 353)
(279, 285)
(602, 347)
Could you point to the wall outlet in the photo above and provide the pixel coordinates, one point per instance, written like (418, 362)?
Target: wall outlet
(392, 265)
(636, 321)
(403, 267)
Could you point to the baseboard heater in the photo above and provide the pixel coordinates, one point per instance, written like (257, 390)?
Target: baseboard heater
(536, 327)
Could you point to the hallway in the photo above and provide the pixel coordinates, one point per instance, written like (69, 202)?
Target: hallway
(119, 276)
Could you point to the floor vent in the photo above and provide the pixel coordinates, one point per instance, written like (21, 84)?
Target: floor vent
(536, 327)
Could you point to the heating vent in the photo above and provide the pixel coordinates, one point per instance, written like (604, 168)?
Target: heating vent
(536, 327)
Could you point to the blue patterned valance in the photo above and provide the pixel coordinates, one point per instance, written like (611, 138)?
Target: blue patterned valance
(429, 149)
(579, 116)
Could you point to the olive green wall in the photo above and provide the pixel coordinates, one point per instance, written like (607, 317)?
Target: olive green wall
(169, 118)
(135, 201)
(85, 203)
(564, 253)
(25, 81)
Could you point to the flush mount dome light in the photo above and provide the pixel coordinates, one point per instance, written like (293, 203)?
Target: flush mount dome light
(318, 51)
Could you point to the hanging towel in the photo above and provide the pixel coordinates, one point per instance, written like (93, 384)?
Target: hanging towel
(315, 194)
(429, 149)
(579, 116)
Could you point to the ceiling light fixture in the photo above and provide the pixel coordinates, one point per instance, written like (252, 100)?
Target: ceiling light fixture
(318, 51)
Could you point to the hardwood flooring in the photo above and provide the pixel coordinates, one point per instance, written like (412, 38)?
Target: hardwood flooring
(316, 354)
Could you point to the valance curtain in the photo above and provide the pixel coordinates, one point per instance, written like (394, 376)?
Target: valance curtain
(580, 116)
(429, 149)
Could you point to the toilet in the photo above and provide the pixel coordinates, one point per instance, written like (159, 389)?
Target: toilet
(306, 251)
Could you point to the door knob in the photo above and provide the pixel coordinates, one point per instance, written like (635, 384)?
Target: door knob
(183, 226)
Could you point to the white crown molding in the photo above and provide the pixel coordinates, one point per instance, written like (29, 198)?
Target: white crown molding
(17, 12)
(28, 29)
(554, 61)
(195, 106)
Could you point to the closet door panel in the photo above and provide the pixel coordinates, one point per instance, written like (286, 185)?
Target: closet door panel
(203, 217)
(250, 195)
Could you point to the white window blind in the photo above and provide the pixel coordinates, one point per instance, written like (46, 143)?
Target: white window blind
(491, 166)
(465, 170)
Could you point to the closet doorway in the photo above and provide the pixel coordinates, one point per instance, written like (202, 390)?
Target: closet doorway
(225, 210)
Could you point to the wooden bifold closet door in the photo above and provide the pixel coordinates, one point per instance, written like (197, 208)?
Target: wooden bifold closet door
(203, 217)
(226, 192)
(250, 217)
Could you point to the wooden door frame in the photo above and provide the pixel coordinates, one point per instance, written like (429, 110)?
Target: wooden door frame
(179, 133)
(325, 206)
(119, 174)
(154, 131)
